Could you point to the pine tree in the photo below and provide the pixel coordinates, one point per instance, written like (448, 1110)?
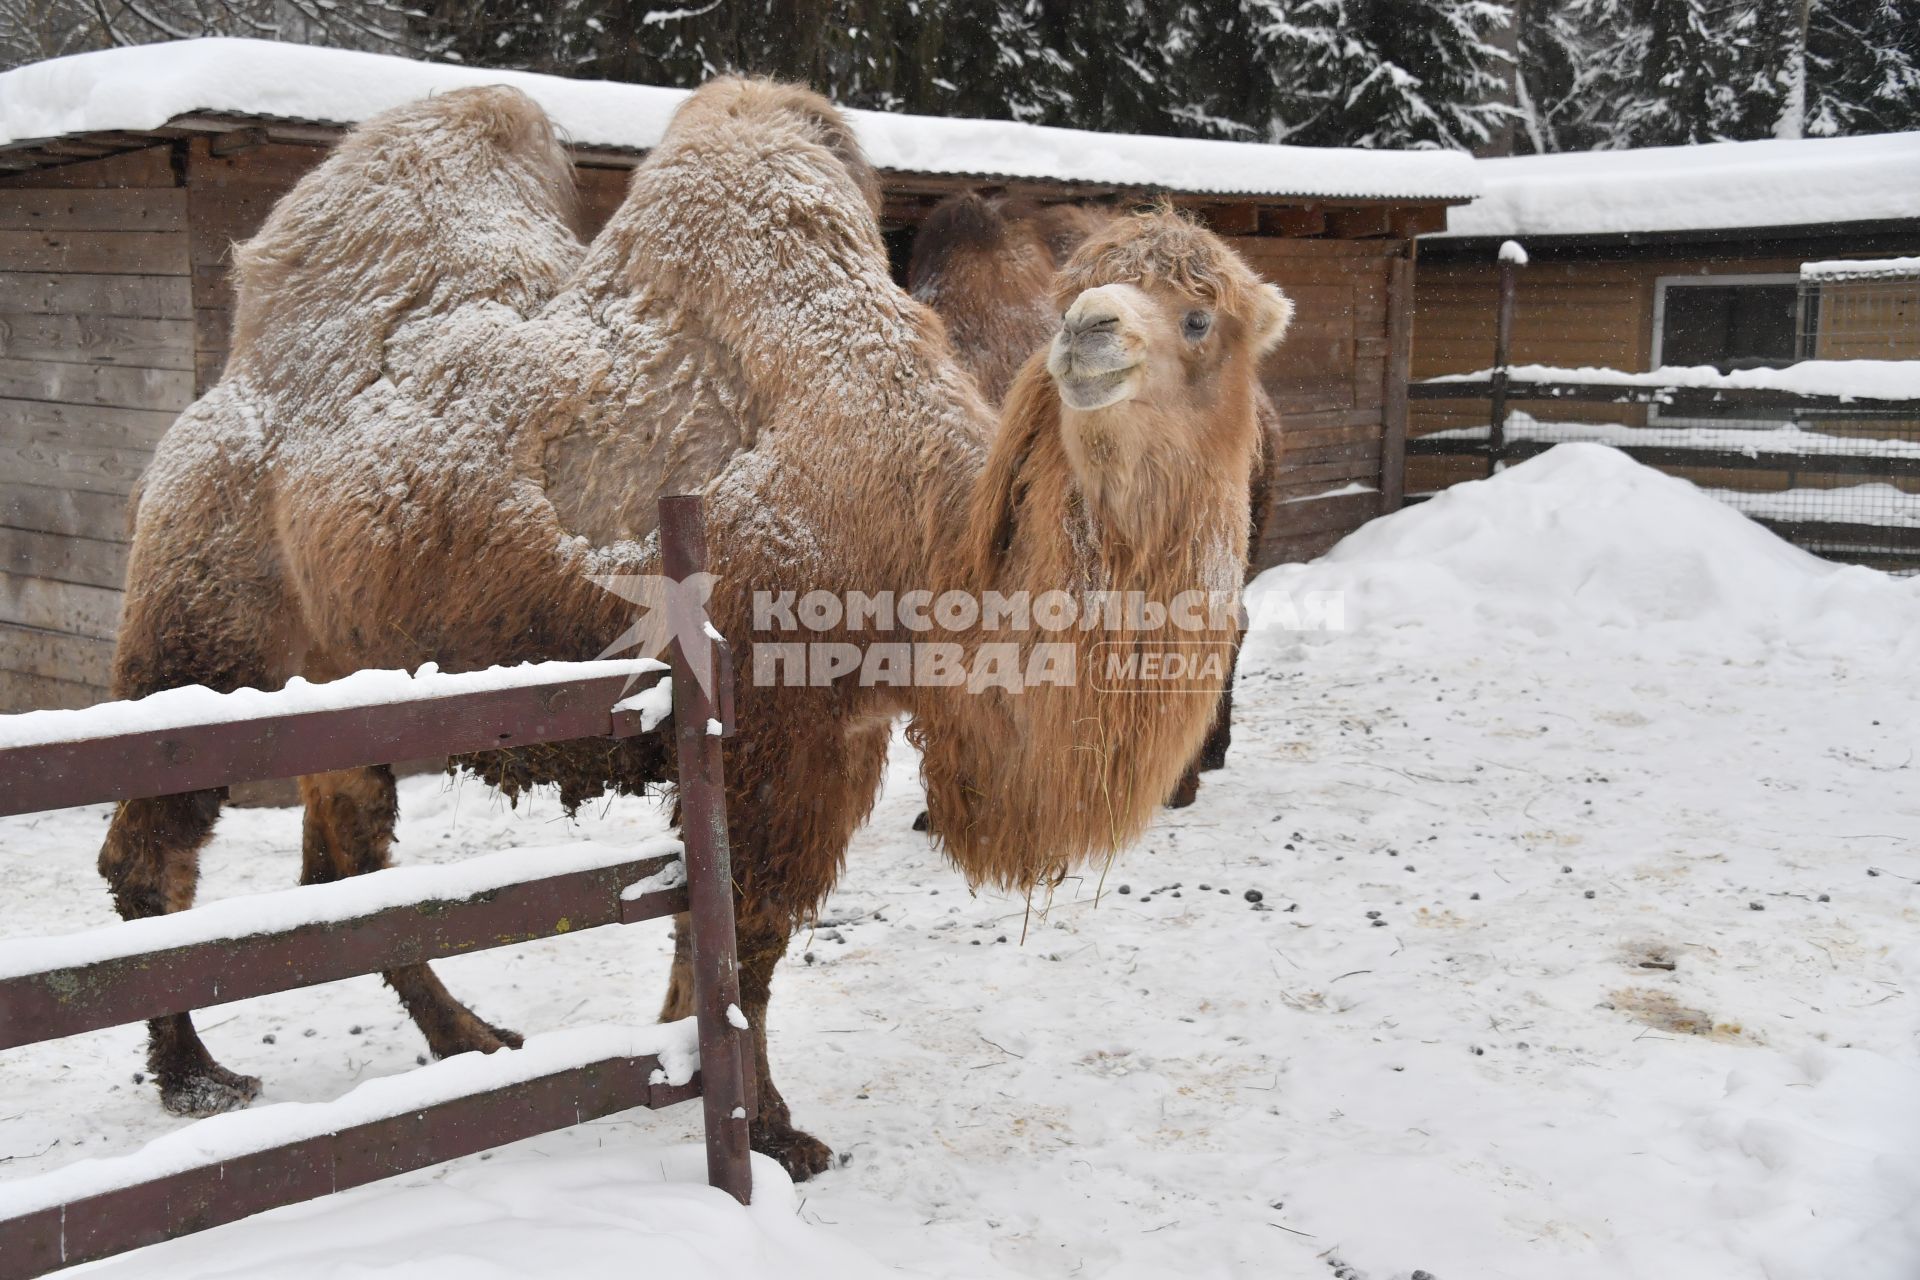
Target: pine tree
(1551, 53)
(1372, 73)
(1863, 67)
(1215, 87)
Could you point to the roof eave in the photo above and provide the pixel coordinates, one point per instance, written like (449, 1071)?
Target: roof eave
(241, 130)
(1567, 243)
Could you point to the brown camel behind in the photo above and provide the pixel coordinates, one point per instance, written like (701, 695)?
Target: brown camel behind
(422, 452)
(986, 265)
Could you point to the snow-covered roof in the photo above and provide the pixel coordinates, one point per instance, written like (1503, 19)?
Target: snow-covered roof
(1716, 186)
(146, 86)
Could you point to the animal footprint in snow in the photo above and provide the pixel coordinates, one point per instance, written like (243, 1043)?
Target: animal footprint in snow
(1110, 1063)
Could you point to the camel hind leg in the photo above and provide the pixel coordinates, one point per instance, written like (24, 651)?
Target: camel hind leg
(350, 817)
(211, 617)
(152, 861)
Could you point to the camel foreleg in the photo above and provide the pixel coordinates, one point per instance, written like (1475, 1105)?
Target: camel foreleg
(349, 832)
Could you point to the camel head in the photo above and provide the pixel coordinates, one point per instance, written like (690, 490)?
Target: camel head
(1158, 314)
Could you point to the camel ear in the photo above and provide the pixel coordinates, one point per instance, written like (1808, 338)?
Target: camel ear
(1273, 312)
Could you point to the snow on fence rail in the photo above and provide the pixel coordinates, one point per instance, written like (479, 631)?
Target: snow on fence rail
(1866, 414)
(232, 1166)
(1846, 489)
(1810, 383)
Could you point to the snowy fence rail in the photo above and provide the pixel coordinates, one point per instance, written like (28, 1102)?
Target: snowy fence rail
(232, 1166)
(51, 988)
(1849, 489)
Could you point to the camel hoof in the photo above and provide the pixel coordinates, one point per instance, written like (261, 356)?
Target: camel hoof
(801, 1154)
(1186, 793)
(467, 1034)
(208, 1091)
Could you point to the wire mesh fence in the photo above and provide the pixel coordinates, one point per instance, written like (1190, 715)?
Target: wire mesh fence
(1839, 478)
(1865, 310)
(1825, 452)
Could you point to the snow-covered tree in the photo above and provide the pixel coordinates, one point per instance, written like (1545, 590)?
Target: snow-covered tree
(34, 29)
(1372, 73)
(1863, 67)
(1551, 75)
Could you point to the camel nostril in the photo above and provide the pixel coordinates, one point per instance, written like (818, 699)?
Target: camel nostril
(1083, 326)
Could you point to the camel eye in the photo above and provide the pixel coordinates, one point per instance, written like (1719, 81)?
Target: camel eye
(1196, 324)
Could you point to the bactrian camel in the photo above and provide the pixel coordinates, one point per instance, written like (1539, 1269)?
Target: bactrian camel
(443, 417)
(986, 265)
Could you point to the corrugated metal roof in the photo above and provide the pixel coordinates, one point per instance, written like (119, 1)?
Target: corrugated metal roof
(1712, 187)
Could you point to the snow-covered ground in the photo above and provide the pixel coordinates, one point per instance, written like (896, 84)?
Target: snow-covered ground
(1588, 859)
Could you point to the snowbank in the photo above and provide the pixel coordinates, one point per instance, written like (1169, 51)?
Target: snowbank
(146, 86)
(1718, 185)
(620, 1211)
(199, 705)
(1848, 379)
(1584, 537)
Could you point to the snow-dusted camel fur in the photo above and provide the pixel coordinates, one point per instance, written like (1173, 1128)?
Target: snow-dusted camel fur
(986, 266)
(441, 418)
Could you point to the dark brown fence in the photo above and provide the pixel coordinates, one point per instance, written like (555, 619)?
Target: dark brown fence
(139, 983)
(1815, 467)
(1848, 489)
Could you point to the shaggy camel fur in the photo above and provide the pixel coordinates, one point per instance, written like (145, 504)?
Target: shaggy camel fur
(425, 451)
(986, 265)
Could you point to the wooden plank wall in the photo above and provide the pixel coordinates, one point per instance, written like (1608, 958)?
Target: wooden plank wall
(1329, 381)
(96, 358)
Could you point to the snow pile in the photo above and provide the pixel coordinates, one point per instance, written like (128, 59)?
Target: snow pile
(144, 87)
(1848, 270)
(1848, 379)
(610, 1213)
(196, 705)
(1583, 537)
(1770, 183)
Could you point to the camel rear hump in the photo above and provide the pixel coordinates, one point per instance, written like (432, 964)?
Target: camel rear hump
(465, 196)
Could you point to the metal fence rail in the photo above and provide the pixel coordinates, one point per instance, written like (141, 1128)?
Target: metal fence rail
(140, 981)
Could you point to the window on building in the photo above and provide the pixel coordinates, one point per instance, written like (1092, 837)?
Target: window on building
(1730, 322)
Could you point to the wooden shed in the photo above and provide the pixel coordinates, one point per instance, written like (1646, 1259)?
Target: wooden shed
(126, 175)
(1676, 256)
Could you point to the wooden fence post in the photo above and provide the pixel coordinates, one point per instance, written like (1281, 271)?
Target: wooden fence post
(1393, 401)
(725, 1051)
(1502, 355)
